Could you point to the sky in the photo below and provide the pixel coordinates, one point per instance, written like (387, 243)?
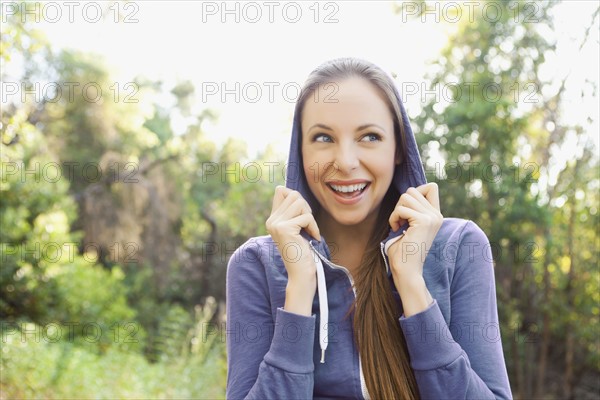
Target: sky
(263, 51)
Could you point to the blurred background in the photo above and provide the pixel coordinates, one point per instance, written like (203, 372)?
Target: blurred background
(142, 142)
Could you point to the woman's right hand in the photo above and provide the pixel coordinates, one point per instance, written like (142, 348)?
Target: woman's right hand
(291, 213)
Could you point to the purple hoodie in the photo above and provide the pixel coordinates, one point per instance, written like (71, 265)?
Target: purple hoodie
(454, 345)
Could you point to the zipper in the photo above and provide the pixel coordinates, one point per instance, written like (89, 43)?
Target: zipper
(387, 268)
(363, 385)
(382, 246)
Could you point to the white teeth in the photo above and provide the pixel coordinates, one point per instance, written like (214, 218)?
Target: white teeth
(348, 188)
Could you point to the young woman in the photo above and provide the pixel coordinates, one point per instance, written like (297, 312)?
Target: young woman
(362, 289)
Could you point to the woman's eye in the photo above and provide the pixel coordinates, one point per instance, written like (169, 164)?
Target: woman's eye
(321, 137)
(372, 137)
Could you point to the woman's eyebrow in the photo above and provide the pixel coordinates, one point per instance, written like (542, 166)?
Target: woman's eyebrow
(322, 126)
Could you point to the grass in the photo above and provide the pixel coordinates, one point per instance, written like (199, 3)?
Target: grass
(37, 369)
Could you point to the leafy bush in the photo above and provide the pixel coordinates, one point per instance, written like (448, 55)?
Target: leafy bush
(94, 301)
(38, 369)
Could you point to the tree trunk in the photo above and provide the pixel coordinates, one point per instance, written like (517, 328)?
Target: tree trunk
(545, 344)
(570, 339)
(518, 363)
(530, 329)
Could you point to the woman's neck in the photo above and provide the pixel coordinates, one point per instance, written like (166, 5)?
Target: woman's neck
(345, 237)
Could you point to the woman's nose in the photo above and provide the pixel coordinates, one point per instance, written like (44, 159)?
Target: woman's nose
(346, 159)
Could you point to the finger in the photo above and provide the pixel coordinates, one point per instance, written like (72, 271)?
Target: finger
(298, 207)
(431, 193)
(401, 215)
(289, 208)
(418, 196)
(290, 198)
(395, 222)
(307, 221)
(281, 193)
(415, 200)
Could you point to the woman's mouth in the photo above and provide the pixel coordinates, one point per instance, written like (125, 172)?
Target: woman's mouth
(349, 194)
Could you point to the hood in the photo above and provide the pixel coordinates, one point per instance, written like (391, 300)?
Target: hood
(407, 174)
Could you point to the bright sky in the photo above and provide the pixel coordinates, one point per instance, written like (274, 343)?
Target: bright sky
(179, 40)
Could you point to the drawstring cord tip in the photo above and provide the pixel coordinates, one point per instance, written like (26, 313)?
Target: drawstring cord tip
(322, 356)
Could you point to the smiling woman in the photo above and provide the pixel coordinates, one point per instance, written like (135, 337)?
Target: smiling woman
(343, 152)
(385, 299)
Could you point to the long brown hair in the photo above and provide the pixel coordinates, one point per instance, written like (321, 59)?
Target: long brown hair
(377, 333)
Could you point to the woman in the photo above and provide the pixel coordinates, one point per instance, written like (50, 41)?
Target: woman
(334, 303)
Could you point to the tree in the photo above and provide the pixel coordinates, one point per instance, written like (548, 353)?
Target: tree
(492, 140)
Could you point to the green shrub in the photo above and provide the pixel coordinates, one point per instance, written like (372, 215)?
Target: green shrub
(192, 364)
(93, 301)
(32, 369)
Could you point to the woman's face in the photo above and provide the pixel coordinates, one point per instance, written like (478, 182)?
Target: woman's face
(348, 148)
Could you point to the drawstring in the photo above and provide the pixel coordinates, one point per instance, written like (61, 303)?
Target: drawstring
(323, 306)
(322, 290)
(390, 242)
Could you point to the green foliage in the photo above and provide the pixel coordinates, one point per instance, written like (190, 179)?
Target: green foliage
(176, 205)
(76, 315)
(499, 150)
(37, 369)
(88, 294)
(34, 228)
(43, 275)
(172, 331)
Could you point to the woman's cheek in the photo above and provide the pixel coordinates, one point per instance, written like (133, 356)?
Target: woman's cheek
(310, 171)
(315, 170)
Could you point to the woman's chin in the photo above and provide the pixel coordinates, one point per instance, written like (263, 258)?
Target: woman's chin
(350, 219)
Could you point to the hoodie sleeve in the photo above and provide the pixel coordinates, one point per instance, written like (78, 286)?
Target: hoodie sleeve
(268, 357)
(463, 360)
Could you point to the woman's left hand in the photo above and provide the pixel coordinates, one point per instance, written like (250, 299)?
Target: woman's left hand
(421, 208)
